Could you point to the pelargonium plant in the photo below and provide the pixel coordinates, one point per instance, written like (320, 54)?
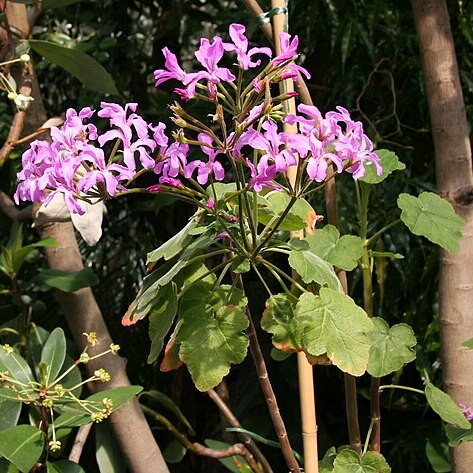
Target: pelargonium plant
(233, 166)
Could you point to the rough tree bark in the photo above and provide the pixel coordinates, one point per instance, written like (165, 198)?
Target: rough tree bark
(81, 311)
(455, 182)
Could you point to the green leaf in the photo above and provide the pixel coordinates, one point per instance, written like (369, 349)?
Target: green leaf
(432, 217)
(312, 268)
(174, 245)
(456, 435)
(468, 344)
(16, 366)
(348, 461)
(437, 454)
(296, 219)
(19, 256)
(263, 440)
(107, 452)
(241, 265)
(332, 323)
(5, 465)
(9, 413)
(279, 319)
(169, 404)
(326, 464)
(66, 466)
(91, 73)
(75, 417)
(212, 334)
(161, 319)
(341, 252)
(53, 354)
(388, 161)
(445, 407)
(174, 452)
(47, 4)
(391, 347)
(22, 445)
(67, 281)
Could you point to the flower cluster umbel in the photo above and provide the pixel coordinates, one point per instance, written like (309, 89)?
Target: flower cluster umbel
(52, 395)
(248, 118)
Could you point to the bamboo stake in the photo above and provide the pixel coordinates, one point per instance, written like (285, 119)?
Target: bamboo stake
(306, 377)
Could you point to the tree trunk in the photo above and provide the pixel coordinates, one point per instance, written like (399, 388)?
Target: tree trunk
(454, 182)
(133, 434)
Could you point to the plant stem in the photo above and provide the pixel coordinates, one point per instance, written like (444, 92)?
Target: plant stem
(376, 235)
(363, 199)
(398, 386)
(351, 400)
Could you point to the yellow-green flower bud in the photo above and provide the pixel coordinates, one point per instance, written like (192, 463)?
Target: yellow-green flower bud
(25, 58)
(7, 349)
(54, 445)
(103, 375)
(84, 358)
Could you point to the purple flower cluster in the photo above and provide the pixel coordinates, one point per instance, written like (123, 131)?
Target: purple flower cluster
(74, 163)
(210, 54)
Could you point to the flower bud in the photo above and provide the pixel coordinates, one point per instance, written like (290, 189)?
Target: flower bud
(25, 58)
(54, 445)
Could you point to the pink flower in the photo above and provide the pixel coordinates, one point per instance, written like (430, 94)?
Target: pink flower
(205, 169)
(209, 54)
(288, 52)
(240, 46)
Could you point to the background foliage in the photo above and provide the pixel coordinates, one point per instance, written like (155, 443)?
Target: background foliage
(363, 55)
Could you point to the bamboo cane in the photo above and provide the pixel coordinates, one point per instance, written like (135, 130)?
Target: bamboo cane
(306, 379)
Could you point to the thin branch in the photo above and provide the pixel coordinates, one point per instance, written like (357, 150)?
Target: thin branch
(79, 442)
(233, 421)
(7, 206)
(199, 449)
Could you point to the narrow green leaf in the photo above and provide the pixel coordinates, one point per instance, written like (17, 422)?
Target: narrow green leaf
(432, 217)
(66, 466)
(169, 404)
(54, 353)
(341, 252)
(67, 281)
(75, 417)
(236, 464)
(212, 334)
(91, 73)
(9, 413)
(388, 161)
(16, 366)
(19, 256)
(332, 323)
(391, 347)
(107, 451)
(312, 268)
(263, 440)
(173, 246)
(348, 461)
(456, 435)
(445, 407)
(22, 445)
(161, 318)
(438, 457)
